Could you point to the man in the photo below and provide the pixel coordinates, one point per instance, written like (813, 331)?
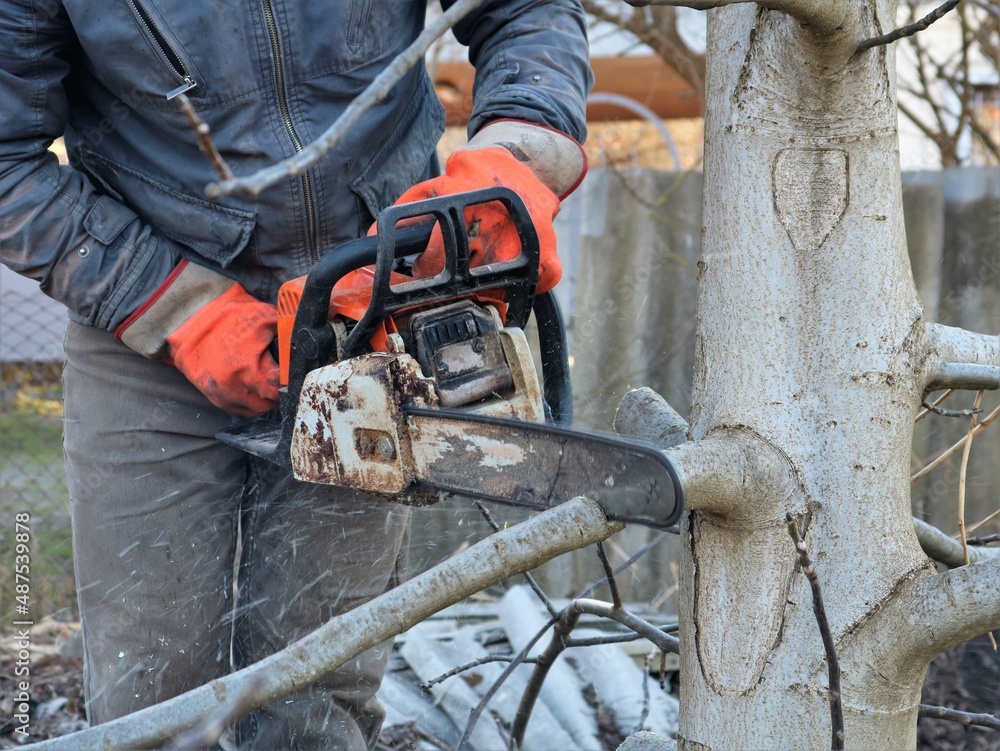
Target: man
(171, 301)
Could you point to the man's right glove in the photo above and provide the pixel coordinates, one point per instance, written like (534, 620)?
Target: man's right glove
(541, 165)
(215, 333)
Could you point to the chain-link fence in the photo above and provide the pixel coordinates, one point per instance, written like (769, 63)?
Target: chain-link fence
(31, 467)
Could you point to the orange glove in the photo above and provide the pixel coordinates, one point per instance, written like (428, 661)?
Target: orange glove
(539, 164)
(215, 333)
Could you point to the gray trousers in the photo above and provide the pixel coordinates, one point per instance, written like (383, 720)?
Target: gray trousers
(158, 506)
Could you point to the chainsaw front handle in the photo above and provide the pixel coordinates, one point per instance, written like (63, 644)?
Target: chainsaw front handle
(313, 342)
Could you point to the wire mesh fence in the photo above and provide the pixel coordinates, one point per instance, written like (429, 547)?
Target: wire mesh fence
(32, 481)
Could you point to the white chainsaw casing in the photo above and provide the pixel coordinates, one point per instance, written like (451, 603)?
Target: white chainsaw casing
(350, 429)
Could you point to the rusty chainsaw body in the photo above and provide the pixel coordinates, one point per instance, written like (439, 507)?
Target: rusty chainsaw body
(432, 387)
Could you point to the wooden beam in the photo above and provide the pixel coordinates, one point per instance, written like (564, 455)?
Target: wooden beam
(646, 79)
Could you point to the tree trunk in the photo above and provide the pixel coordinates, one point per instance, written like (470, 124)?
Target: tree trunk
(810, 348)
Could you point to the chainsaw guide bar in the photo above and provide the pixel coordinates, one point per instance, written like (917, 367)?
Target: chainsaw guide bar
(534, 465)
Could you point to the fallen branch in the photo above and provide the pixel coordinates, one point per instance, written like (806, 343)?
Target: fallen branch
(609, 576)
(566, 623)
(569, 526)
(250, 187)
(518, 660)
(600, 641)
(632, 560)
(205, 142)
(206, 733)
(832, 663)
(532, 582)
(560, 641)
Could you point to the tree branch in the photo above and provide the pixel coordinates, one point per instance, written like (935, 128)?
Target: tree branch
(825, 17)
(566, 527)
(944, 610)
(644, 414)
(966, 718)
(961, 359)
(941, 548)
(657, 28)
(250, 187)
(737, 473)
(910, 30)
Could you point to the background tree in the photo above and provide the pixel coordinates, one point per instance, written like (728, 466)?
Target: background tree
(949, 78)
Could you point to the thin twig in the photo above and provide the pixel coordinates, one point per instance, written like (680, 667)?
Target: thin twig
(379, 88)
(906, 31)
(518, 660)
(631, 561)
(966, 718)
(600, 641)
(948, 453)
(928, 408)
(663, 641)
(832, 663)
(609, 574)
(560, 641)
(981, 522)
(532, 582)
(962, 473)
(949, 412)
(644, 715)
(426, 686)
(205, 142)
(565, 624)
(431, 738)
(988, 539)
(207, 732)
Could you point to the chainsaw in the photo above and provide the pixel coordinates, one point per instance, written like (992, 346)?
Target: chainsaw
(428, 386)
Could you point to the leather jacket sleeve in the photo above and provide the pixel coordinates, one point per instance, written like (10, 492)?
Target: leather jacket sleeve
(85, 249)
(532, 63)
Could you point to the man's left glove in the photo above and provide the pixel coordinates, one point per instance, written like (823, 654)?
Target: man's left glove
(541, 165)
(215, 333)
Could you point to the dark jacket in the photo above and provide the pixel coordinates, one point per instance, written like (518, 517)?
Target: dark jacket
(268, 76)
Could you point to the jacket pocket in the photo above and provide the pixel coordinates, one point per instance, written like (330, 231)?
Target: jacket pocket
(216, 233)
(406, 157)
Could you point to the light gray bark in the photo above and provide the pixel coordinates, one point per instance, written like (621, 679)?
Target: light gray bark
(812, 357)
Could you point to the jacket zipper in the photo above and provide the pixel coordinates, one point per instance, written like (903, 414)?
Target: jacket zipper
(168, 52)
(286, 116)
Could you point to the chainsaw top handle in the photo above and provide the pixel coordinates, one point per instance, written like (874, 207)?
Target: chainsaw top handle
(312, 340)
